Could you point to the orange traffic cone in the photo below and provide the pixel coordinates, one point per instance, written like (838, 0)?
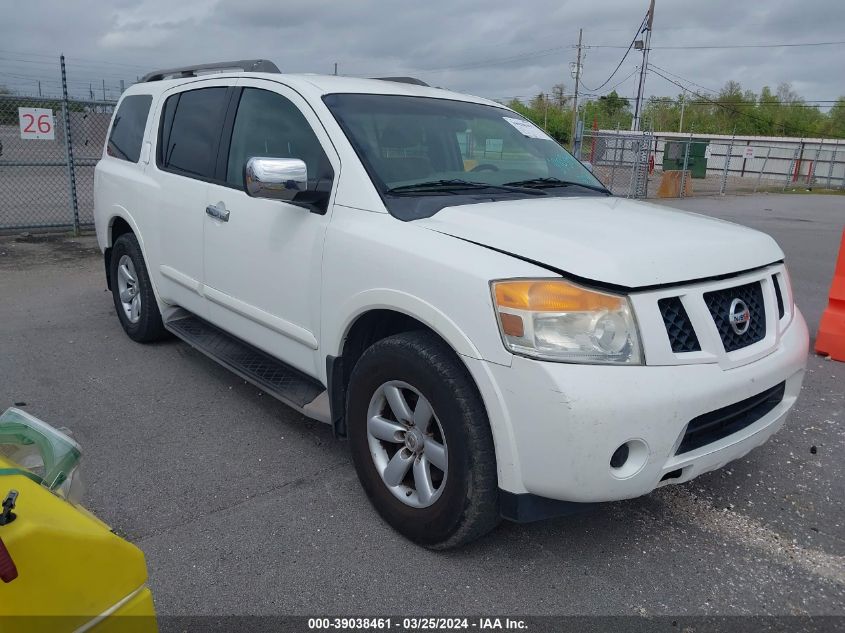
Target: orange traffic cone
(831, 337)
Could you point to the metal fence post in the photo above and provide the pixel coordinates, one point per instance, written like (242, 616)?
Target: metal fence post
(811, 176)
(681, 193)
(832, 163)
(634, 166)
(615, 154)
(727, 166)
(71, 175)
(791, 167)
(763, 168)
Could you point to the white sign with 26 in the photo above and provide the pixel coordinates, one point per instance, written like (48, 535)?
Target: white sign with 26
(36, 123)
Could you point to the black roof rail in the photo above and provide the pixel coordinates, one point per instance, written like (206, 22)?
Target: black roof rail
(245, 65)
(404, 80)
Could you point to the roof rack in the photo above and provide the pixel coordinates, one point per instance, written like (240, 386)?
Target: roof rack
(245, 65)
(404, 80)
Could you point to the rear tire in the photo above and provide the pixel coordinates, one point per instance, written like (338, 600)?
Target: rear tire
(134, 299)
(447, 490)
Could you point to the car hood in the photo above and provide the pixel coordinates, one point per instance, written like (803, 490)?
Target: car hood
(610, 240)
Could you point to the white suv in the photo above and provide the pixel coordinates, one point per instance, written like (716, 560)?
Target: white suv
(494, 333)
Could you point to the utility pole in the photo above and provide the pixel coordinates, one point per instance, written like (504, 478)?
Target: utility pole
(39, 87)
(546, 113)
(646, 46)
(104, 89)
(335, 68)
(683, 103)
(122, 86)
(575, 100)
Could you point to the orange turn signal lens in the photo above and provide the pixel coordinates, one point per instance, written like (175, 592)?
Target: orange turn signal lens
(554, 295)
(512, 324)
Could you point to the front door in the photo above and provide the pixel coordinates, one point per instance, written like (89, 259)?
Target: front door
(262, 258)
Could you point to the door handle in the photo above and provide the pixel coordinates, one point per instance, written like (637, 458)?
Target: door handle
(218, 212)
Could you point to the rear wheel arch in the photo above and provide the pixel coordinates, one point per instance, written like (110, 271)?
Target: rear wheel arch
(117, 226)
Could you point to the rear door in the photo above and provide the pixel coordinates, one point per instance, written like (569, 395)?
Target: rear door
(263, 262)
(190, 128)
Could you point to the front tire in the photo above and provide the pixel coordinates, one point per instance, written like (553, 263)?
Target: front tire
(421, 441)
(134, 299)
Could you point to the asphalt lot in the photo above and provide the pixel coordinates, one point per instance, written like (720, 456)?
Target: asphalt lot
(243, 506)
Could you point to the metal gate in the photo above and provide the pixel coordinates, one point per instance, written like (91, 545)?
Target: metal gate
(620, 162)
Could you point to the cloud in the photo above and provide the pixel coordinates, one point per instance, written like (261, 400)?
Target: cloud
(495, 49)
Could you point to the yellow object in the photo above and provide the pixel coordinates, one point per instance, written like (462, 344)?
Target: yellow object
(543, 295)
(71, 567)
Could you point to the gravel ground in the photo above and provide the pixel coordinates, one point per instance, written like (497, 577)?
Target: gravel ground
(243, 506)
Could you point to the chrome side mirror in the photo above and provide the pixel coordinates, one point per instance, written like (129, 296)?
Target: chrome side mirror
(275, 178)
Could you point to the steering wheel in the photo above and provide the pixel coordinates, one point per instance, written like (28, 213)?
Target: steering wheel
(485, 167)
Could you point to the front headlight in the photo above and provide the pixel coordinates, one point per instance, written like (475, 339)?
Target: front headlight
(553, 319)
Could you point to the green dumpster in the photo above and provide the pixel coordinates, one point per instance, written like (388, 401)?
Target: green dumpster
(673, 156)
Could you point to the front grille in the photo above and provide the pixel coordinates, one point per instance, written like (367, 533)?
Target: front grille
(713, 426)
(682, 336)
(719, 303)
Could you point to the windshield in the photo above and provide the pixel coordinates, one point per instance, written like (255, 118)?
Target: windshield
(424, 154)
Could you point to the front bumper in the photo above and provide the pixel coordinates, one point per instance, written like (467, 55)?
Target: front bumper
(563, 422)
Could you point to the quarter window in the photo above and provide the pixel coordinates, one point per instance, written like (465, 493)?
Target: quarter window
(191, 126)
(269, 125)
(127, 131)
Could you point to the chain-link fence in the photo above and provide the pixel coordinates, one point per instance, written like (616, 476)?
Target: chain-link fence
(46, 173)
(640, 165)
(621, 162)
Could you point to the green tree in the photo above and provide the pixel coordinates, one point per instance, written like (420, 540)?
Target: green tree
(834, 126)
(779, 112)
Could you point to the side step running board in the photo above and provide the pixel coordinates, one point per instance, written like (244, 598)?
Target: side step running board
(272, 376)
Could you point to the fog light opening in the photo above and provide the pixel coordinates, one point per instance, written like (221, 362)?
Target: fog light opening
(620, 456)
(629, 459)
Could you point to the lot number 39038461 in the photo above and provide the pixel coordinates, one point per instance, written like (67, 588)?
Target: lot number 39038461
(36, 123)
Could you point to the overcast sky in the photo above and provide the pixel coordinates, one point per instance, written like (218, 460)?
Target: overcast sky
(485, 47)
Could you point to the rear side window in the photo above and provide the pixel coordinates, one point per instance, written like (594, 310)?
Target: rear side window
(127, 131)
(191, 124)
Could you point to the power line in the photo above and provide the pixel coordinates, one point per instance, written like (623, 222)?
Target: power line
(732, 109)
(550, 51)
(621, 61)
(76, 59)
(17, 64)
(728, 46)
(616, 85)
(804, 102)
(498, 60)
(684, 79)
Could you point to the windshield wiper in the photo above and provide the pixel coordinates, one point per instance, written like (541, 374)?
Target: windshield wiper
(441, 186)
(550, 183)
